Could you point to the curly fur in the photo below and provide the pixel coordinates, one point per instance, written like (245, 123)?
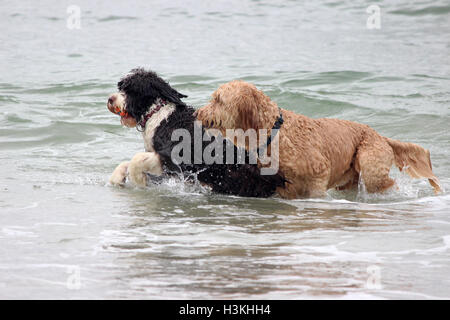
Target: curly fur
(317, 154)
(140, 90)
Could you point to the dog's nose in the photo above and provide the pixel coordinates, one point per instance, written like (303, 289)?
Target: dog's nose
(112, 99)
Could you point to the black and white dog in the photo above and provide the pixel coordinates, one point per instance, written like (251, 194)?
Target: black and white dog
(150, 104)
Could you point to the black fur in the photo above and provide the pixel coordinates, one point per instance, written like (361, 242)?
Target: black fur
(141, 89)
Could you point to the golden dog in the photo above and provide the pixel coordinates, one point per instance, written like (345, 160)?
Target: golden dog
(317, 154)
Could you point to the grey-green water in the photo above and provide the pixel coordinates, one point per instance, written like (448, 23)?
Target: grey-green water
(66, 234)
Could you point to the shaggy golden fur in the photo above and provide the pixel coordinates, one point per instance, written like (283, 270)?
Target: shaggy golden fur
(317, 154)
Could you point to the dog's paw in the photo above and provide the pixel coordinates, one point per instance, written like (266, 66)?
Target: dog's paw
(144, 163)
(119, 174)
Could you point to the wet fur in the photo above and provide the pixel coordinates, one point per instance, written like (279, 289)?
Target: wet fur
(141, 88)
(317, 154)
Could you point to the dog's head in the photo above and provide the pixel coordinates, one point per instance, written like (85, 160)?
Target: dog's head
(237, 105)
(137, 92)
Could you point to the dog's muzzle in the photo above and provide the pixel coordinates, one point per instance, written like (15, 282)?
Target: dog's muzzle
(115, 104)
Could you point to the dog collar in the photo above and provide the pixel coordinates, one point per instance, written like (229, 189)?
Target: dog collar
(276, 126)
(159, 104)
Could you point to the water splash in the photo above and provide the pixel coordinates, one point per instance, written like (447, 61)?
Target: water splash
(405, 188)
(180, 183)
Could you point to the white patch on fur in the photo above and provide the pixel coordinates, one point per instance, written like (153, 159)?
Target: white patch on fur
(142, 163)
(120, 101)
(154, 122)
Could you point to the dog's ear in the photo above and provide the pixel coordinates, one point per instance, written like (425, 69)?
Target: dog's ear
(168, 93)
(247, 106)
(148, 84)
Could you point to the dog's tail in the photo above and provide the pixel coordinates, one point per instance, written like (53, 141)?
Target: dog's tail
(415, 160)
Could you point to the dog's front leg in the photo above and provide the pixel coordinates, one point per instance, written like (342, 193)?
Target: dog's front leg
(141, 164)
(119, 174)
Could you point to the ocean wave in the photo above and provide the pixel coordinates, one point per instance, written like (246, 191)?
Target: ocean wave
(428, 10)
